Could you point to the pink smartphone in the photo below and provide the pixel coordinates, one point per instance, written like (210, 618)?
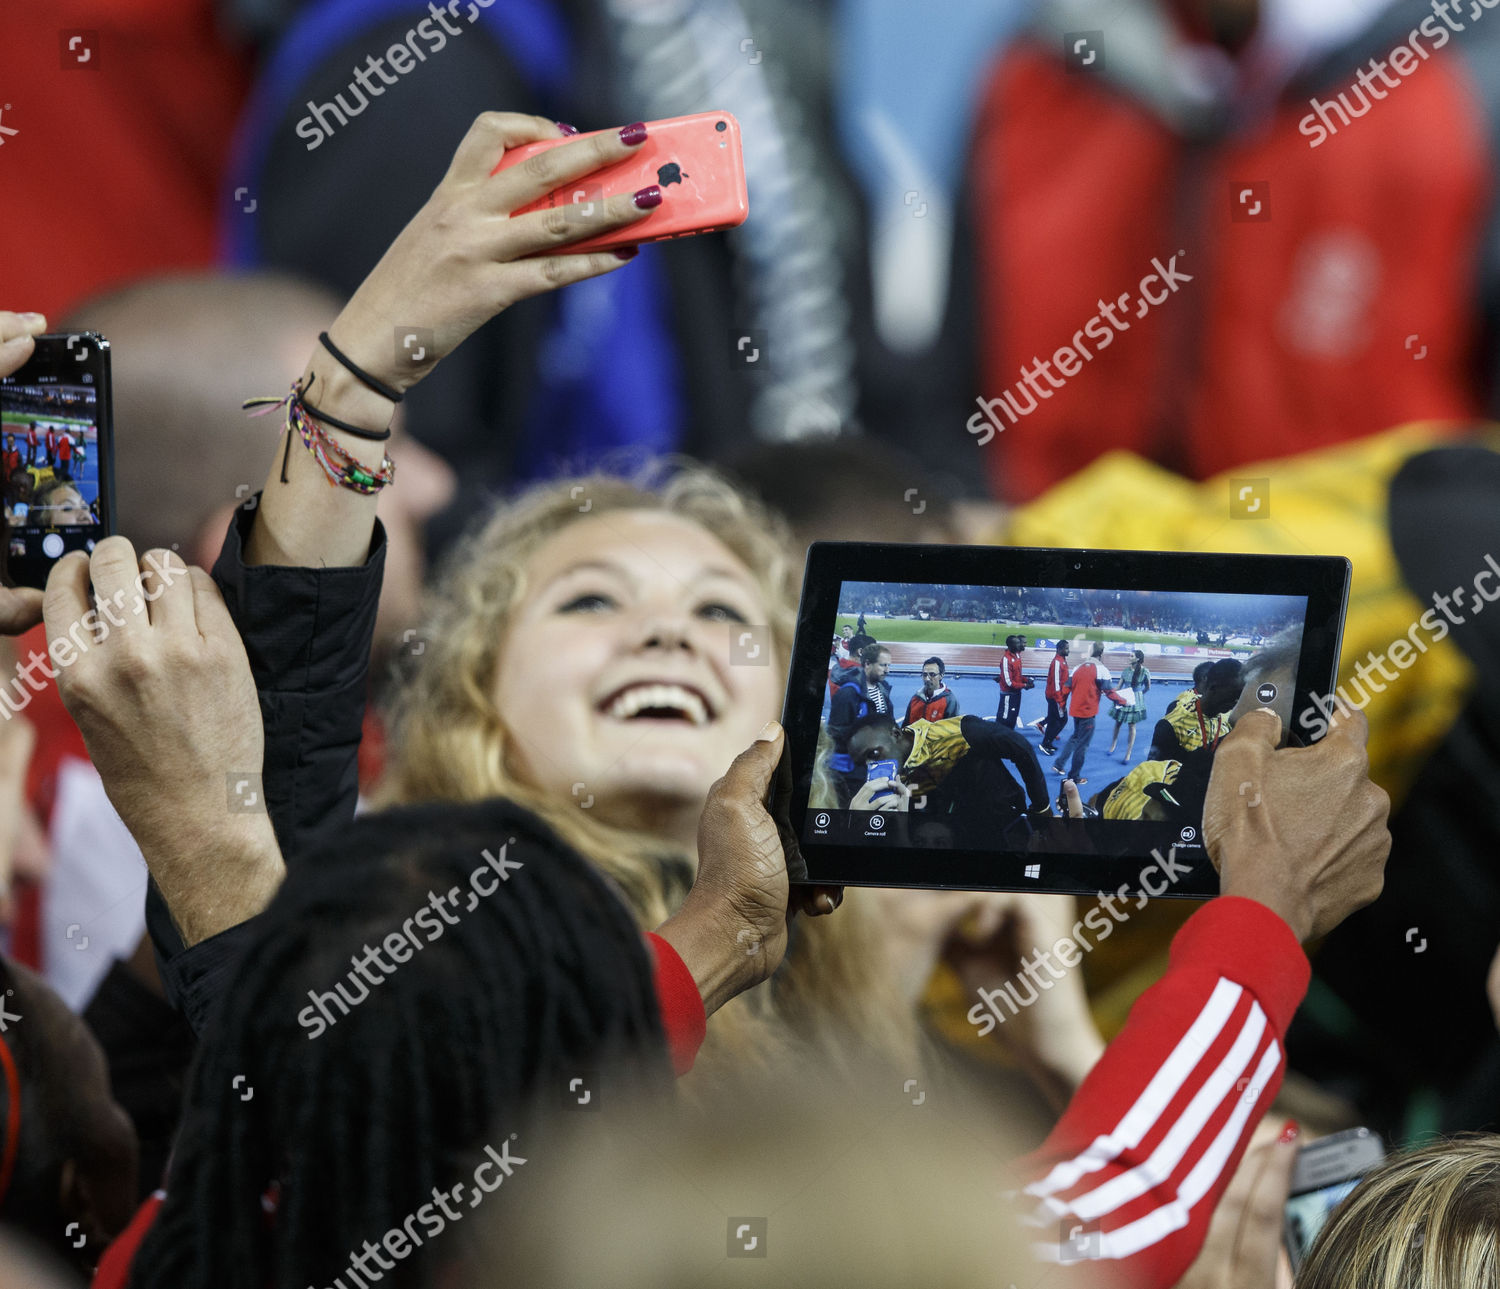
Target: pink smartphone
(696, 162)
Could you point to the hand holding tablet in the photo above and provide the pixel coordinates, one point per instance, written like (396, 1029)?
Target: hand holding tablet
(882, 795)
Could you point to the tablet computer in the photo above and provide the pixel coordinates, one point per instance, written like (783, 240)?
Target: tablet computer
(986, 675)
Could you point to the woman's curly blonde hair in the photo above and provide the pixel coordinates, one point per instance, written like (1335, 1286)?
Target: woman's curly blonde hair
(449, 742)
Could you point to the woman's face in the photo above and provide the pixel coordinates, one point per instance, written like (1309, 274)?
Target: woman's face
(617, 679)
(64, 506)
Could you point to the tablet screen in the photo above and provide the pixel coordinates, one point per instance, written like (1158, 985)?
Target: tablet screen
(951, 711)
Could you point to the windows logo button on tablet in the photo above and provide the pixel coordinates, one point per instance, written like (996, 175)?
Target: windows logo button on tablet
(1034, 870)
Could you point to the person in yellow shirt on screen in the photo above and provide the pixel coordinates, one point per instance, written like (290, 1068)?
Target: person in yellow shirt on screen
(1199, 718)
(953, 766)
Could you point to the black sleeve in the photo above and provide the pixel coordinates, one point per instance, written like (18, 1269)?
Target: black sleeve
(307, 632)
(195, 979)
(1164, 744)
(998, 742)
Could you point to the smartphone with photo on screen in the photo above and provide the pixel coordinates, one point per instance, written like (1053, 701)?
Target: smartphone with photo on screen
(57, 446)
(1326, 1171)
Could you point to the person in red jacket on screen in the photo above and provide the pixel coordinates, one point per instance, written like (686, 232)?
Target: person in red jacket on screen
(1051, 725)
(1011, 681)
(1088, 682)
(934, 701)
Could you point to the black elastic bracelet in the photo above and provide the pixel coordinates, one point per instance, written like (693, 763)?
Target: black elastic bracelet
(373, 435)
(359, 374)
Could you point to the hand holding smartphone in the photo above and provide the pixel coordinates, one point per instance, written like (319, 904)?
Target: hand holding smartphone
(1326, 1171)
(694, 161)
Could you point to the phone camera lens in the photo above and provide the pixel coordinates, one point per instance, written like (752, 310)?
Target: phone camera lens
(1077, 565)
(722, 126)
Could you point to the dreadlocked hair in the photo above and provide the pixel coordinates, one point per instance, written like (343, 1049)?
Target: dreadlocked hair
(350, 1128)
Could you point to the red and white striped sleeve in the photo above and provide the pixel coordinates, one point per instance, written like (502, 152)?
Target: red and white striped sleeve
(1132, 1172)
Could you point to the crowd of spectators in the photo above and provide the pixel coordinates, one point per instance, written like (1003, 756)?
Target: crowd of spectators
(336, 879)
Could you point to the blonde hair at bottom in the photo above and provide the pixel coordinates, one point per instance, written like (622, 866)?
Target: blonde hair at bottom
(1428, 1219)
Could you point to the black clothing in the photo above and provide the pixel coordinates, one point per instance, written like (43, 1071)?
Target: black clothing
(307, 632)
(991, 741)
(1057, 720)
(148, 1045)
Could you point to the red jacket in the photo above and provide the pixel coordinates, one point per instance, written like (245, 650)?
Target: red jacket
(1151, 1139)
(1010, 670)
(1084, 687)
(922, 708)
(842, 672)
(1304, 320)
(1057, 679)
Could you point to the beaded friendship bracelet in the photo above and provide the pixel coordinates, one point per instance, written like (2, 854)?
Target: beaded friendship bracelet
(341, 468)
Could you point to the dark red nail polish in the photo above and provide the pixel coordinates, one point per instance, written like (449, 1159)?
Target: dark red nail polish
(632, 136)
(648, 198)
(626, 252)
(566, 128)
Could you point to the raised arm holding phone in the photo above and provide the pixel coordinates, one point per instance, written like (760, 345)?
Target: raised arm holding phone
(462, 259)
